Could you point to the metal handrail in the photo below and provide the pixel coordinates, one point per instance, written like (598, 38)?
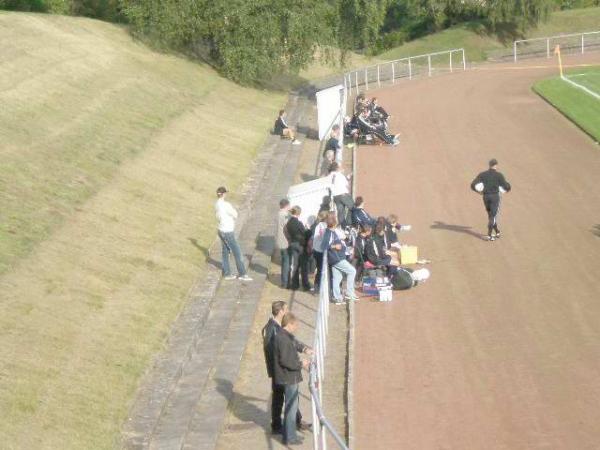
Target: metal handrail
(317, 368)
(551, 38)
(351, 79)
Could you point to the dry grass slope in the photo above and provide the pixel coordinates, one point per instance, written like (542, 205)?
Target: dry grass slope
(110, 155)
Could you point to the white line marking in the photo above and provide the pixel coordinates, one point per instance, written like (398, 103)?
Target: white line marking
(577, 85)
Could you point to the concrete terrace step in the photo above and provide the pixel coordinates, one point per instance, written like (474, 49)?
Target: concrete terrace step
(183, 399)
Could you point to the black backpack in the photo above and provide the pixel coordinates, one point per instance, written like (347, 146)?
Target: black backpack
(402, 280)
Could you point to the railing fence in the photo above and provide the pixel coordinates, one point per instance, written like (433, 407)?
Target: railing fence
(569, 43)
(405, 68)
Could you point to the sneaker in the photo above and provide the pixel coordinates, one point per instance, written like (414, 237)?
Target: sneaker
(304, 426)
(229, 277)
(244, 278)
(352, 298)
(497, 235)
(296, 142)
(491, 238)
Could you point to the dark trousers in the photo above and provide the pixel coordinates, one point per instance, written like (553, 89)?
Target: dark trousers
(492, 206)
(299, 266)
(285, 267)
(277, 401)
(319, 262)
(343, 204)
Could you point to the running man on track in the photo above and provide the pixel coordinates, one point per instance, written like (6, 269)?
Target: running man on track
(490, 183)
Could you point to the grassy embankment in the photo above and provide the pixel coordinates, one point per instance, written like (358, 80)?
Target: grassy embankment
(576, 104)
(110, 157)
(479, 45)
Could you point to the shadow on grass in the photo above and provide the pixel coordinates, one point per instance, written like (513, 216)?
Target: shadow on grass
(207, 258)
(456, 228)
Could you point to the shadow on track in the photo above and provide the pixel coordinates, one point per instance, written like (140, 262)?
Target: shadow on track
(456, 228)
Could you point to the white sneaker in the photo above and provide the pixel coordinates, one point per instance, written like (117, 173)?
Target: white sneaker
(245, 278)
(229, 277)
(296, 142)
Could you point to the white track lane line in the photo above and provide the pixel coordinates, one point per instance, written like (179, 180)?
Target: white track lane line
(583, 88)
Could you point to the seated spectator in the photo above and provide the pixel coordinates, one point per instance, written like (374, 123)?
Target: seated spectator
(359, 215)
(282, 129)
(378, 111)
(392, 227)
(360, 102)
(297, 236)
(351, 129)
(366, 127)
(340, 190)
(377, 250)
(333, 244)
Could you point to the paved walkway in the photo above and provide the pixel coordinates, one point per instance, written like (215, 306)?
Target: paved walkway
(184, 398)
(248, 423)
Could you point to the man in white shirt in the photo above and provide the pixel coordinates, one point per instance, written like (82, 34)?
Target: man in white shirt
(340, 191)
(226, 215)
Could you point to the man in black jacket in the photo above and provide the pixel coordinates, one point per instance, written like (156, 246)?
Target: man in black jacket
(273, 326)
(297, 235)
(288, 373)
(490, 183)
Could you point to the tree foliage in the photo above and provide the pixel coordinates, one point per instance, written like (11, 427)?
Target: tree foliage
(250, 40)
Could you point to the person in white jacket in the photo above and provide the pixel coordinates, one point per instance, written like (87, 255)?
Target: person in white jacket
(226, 216)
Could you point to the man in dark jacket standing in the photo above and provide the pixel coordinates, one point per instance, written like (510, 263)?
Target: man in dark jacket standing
(288, 373)
(297, 236)
(271, 329)
(490, 183)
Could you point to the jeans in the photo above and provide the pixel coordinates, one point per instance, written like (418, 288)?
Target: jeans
(229, 245)
(299, 266)
(339, 269)
(285, 267)
(290, 412)
(343, 204)
(277, 400)
(319, 262)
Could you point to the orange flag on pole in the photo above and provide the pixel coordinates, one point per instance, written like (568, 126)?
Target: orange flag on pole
(557, 53)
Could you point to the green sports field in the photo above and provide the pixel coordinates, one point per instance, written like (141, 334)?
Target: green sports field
(579, 105)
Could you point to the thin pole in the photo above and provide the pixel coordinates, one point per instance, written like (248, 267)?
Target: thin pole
(356, 81)
(409, 69)
(515, 50)
(464, 60)
(547, 48)
(366, 80)
(429, 64)
(450, 61)
(393, 74)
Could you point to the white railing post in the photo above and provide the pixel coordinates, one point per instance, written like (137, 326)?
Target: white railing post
(366, 79)
(393, 73)
(378, 82)
(582, 43)
(429, 64)
(356, 81)
(409, 69)
(548, 48)
(450, 61)
(464, 60)
(515, 50)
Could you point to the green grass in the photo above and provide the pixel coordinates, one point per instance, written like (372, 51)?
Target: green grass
(479, 45)
(110, 156)
(582, 108)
